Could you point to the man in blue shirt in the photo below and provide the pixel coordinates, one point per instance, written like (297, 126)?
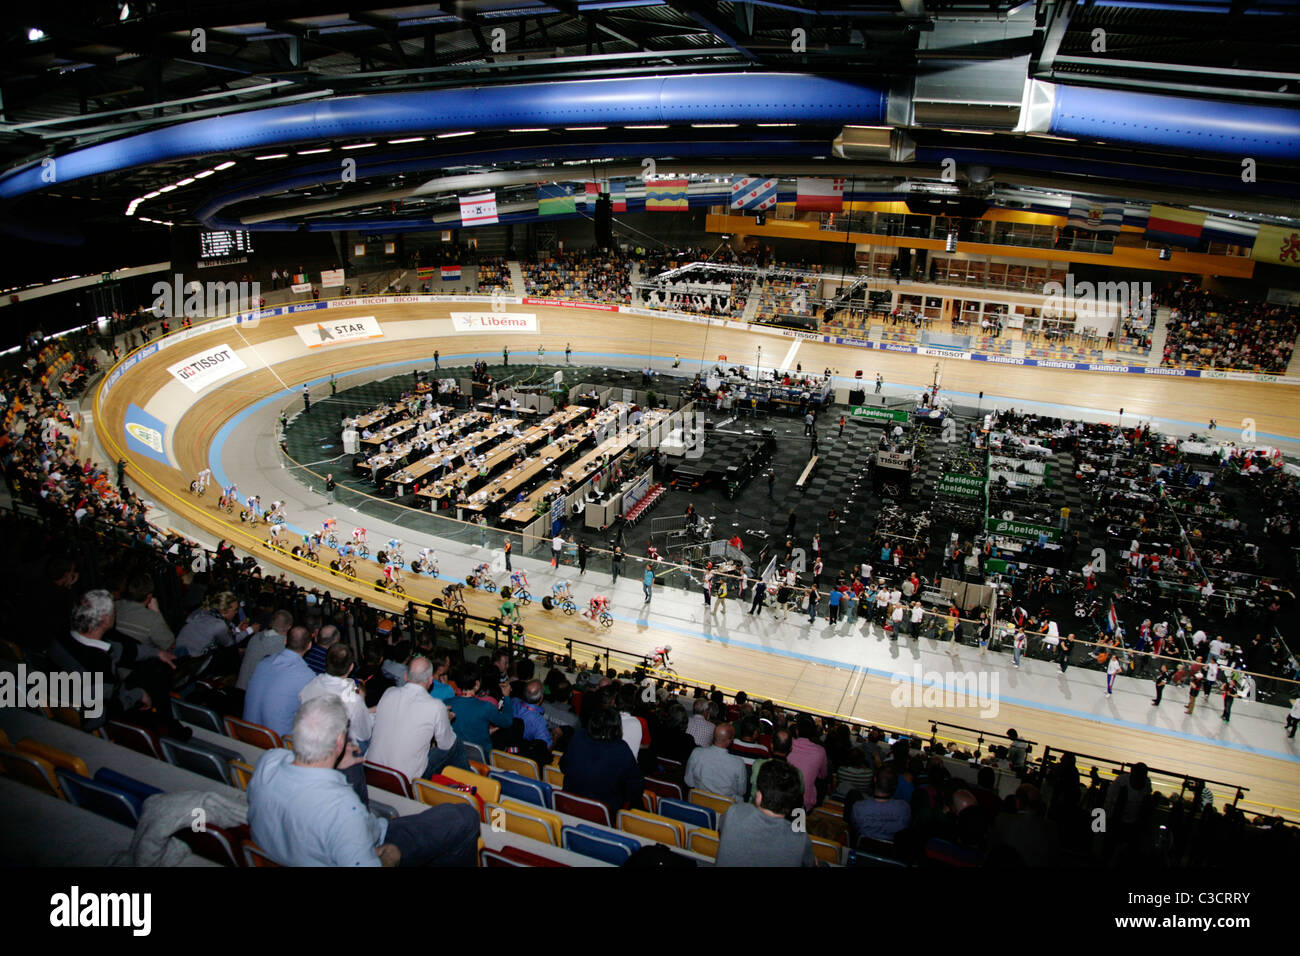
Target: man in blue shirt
(272, 696)
(538, 738)
(302, 812)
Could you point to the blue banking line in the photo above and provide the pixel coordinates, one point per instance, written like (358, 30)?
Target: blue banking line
(214, 462)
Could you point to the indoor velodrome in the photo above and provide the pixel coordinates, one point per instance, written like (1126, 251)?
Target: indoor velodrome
(638, 433)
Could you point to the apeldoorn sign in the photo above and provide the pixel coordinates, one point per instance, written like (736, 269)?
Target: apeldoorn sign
(493, 322)
(339, 330)
(211, 365)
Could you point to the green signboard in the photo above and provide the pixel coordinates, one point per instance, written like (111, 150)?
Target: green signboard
(872, 413)
(1021, 529)
(965, 486)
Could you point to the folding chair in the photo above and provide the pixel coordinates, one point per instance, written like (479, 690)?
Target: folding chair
(251, 733)
(599, 844)
(199, 716)
(140, 739)
(32, 770)
(61, 759)
(653, 827)
(523, 789)
(100, 798)
(515, 763)
(532, 822)
(703, 842)
(714, 801)
(386, 778)
(689, 813)
(196, 760)
(437, 795)
(582, 807)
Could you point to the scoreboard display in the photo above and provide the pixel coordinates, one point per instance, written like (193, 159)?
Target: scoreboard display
(224, 244)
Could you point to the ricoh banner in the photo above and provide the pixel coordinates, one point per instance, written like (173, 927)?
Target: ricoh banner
(211, 365)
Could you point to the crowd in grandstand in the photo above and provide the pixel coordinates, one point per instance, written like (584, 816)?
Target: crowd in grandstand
(494, 274)
(597, 276)
(1217, 330)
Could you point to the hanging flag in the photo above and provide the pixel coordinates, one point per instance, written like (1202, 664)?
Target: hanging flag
(479, 210)
(425, 272)
(451, 273)
(618, 197)
(667, 195)
(1112, 619)
(751, 192)
(1095, 216)
(1181, 227)
(1278, 245)
(553, 200)
(590, 193)
(820, 195)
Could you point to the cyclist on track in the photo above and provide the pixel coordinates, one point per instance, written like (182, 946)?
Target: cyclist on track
(597, 606)
(560, 591)
(253, 505)
(510, 610)
(518, 580)
(428, 560)
(392, 573)
(660, 656)
(201, 481)
(229, 495)
(358, 535)
(394, 546)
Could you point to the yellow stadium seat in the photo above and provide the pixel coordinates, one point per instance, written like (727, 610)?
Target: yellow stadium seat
(704, 842)
(61, 759)
(488, 789)
(652, 826)
(828, 851)
(530, 821)
(436, 795)
(520, 765)
(554, 777)
(241, 773)
(30, 769)
(714, 801)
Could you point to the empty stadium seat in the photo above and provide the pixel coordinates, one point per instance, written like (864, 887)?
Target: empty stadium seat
(510, 856)
(665, 788)
(530, 821)
(222, 845)
(61, 759)
(690, 813)
(386, 778)
(584, 808)
(488, 789)
(100, 798)
(827, 851)
(520, 765)
(599, 844)
(241, 773)
(140, 739)
(197, 760)
(704, 842)
(30, 769)
(474, 752)
(435, 795)
(714, 801)
(523, 789)
(552, 775)
(652, 826)
(199, 716)
(251, 733)
(254, 855)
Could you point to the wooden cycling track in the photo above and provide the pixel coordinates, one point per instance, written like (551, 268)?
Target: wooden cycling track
(601, 338)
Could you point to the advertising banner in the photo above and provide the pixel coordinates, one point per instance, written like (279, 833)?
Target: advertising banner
(493, 322)
(145, 435)
(203, 368)
(339, 330)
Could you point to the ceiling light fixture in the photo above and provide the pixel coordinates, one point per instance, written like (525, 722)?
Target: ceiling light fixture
(313, 152)
(271, 156)
(226, 165)
(451, 135)
(409, 139)
(357, 146)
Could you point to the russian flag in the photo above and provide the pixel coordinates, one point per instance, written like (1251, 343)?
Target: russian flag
(820, 195)
(451, 273)
(751, 192)
(1180, 227)
(618, 197)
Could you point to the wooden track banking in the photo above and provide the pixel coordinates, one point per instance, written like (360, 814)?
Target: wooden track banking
(823, 688)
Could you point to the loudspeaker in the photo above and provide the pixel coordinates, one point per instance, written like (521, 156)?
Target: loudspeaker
(1165, 254)
(760, 219)
(604, 224)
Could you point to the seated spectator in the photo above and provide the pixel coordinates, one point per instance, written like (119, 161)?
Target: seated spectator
(747, 744)
(881, 816)
(210, 630)
(558, 706)
(671, 739)
(1025, 837)
(809, 757)
(761, 833)
(408, 721)
(302, 812)
(535, 735)
(716, 769)
(326, 638)
(337, 680)
(854, 774)
(138, 616)
(272, 696)
(701, 724)
(599, 765)
(441, 661)
(263, 644)
(477, 715)
(85, 649)
(782, 741)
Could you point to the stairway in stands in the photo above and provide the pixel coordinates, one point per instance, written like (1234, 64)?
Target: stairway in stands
(753, 300)
(517, 277)
(1159, 334)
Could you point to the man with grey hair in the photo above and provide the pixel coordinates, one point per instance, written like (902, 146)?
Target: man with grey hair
(408, 720)
(699, 726)
(326, 638)
(272, 696)
(303, 813)
(263, 644)
(85, 649)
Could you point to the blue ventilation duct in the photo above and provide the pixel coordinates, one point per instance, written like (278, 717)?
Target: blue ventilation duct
(1196, 126)
(737, 98)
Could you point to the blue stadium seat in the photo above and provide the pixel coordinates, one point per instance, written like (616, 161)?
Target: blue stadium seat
(523, 789)
(120, 781)
(689, 813)
(599, 844)
(100, 798)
